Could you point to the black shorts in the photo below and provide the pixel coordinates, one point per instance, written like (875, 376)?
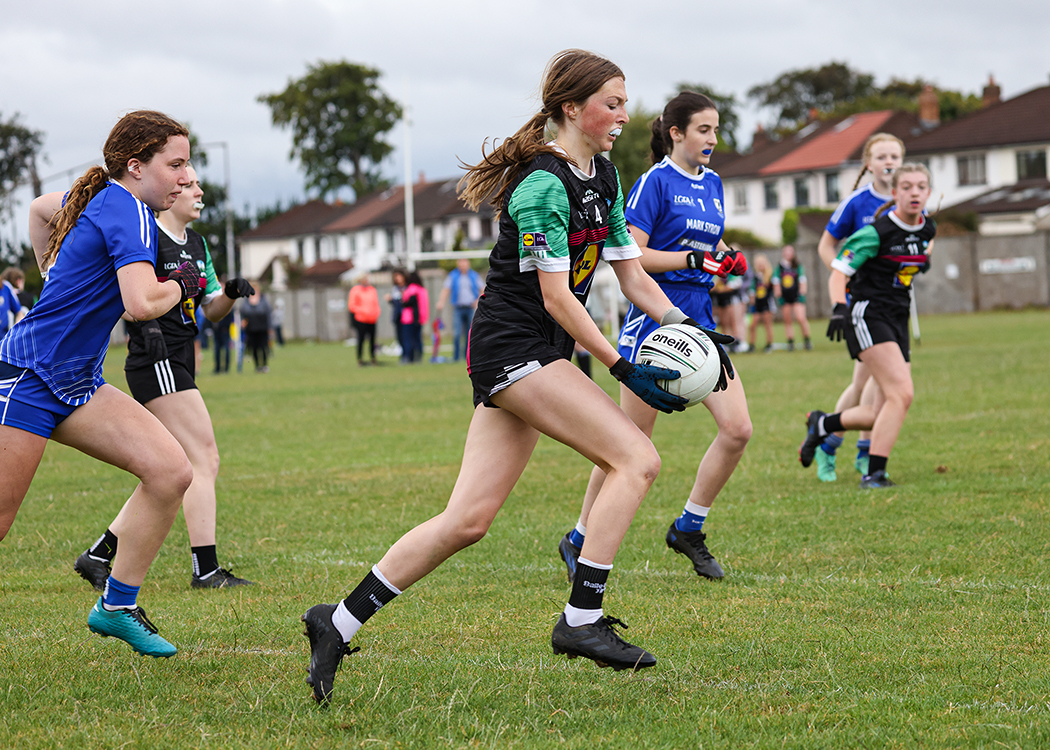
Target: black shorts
(874, 324)
(503, 347)
(762, 305)
(170, 375)
(723, 299)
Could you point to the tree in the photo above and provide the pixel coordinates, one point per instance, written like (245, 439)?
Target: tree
(795, 93)
(903, 96)
(728, 119)
(338, 115)
(632, 153)
(19, 148)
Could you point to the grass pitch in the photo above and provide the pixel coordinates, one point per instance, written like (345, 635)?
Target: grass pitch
(915, 616)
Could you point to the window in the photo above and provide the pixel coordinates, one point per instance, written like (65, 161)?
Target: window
(740, 198)
(971, 170)
(831, 187)
(770, 191)
(1031, 165)
(801, 191)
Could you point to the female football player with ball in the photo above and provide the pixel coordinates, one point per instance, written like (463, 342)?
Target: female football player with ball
(879, 262)
(561, 210)
(675, 215)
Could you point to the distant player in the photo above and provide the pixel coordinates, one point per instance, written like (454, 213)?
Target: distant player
(674, 212)
(879, 262)
(789, 286)
(160, 370)
(882, 154)
(97, 251)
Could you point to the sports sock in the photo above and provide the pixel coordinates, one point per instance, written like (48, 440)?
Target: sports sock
(119, 595)
(588, 589)
(577, 535)
(205, 561)
(363, 602)
(876, 463)
(831, 444)
(692, 518)
(863, 446)
(830, 423)
(105, 548)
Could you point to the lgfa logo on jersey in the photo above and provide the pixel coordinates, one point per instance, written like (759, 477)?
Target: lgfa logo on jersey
(534, 243)
(684, 200)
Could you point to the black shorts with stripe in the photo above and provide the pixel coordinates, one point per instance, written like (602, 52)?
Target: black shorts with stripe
(170, 375)
(875, 324)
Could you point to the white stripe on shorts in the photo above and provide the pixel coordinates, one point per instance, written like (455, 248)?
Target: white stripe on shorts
(860, 326)
(165, 378)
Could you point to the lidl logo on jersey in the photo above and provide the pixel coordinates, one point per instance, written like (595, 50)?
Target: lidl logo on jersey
(534, 243)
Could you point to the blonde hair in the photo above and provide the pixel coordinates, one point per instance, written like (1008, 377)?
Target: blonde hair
(869, 145)
(763, 268)
(910, 167)
(571, 77)
(137, 135)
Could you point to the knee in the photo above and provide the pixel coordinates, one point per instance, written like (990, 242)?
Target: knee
(736, 433)
(468, 531)
(646, 463)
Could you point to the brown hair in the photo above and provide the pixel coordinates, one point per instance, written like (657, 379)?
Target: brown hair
(907, 168)
(677, 114)
(571, 77)
(137, 135)
(869, 144)
(13, 274)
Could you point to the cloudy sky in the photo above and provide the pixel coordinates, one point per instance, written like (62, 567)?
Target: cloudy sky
(469, 69)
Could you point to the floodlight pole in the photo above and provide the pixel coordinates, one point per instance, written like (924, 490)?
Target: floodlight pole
(231, 255)
(410, 209)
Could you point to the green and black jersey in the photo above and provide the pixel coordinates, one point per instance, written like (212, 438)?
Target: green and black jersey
(883, 258)
(555, 218)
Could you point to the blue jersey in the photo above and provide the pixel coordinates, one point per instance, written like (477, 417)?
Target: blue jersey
(64, 337)
(10, 306)
(856, 211)
(680, 212)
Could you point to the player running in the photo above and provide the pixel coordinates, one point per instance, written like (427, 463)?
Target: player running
(674, 212)
(160, 369)
(883, 154)
(879, 263)
(561, 210)
(97, 252)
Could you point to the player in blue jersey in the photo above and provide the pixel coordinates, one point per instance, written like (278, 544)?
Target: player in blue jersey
(11, 308)
(561, 211)
(675, 214)
(97, 252)
(160, 370)
(880, 262)
(882, 154)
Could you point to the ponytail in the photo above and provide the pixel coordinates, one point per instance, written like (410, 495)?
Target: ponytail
(84, 189)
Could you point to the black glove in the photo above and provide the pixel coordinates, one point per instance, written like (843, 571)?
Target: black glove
(189, 278)
(718, 262)
(237, 288)
(837, 324)
(154, 341)
(641, 379)
(718, 339)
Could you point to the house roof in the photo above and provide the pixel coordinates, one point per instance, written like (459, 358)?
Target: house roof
(1021, 197)
(830, 147)
(1023, 119)
(309, 218)
(326, 272)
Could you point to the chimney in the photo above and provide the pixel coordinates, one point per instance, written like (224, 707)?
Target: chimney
(929, 108)
(991, 92)
(760, 139)
(422, 177)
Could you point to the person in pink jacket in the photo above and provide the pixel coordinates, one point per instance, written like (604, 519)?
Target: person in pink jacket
(415, 313)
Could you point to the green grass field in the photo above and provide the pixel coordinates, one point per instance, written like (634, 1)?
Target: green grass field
(915, 616)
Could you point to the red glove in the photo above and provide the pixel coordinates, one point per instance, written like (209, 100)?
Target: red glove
(189, 278)
(719, 262)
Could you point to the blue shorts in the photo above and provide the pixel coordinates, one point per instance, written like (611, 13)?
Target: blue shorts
(693, 300)
(27, 403)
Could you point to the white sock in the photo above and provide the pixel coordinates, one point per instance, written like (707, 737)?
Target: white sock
(576, 617)
(345, 623)
(581, 529)
(696, 510)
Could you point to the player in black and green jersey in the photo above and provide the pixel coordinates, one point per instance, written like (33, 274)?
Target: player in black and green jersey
(561, 211)
(879, 261)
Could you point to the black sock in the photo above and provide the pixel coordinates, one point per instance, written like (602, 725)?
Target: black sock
(832, 423)
(369, 597)
(588, 587)
(876, 463)
(205, 560)
(105, 548)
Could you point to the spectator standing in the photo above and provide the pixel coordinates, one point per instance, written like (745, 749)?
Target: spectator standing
(12, 281)
(462, 287)
(255, 317)
(363, 306)
(415, 312)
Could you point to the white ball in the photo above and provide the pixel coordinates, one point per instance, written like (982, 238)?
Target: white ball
(687, 349)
